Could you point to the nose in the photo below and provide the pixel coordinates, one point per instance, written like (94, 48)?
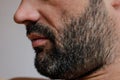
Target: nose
(26, 13)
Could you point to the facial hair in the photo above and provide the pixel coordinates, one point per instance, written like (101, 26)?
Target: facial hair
(84, 46)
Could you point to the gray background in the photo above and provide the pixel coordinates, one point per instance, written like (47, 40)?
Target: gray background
(16, 54)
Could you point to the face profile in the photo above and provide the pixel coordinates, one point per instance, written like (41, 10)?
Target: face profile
(71, 39)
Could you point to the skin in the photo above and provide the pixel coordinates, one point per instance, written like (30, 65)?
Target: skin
(78, 39)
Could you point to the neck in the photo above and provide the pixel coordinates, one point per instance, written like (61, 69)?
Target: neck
(109, 71)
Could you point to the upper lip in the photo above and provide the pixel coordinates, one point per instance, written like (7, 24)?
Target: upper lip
(35, 36)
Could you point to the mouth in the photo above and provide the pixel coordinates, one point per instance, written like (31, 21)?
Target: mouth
(37, 39)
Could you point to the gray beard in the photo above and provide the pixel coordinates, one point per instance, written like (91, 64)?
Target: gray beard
(86, 44)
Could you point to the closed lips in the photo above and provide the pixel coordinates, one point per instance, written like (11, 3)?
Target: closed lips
(37, 40)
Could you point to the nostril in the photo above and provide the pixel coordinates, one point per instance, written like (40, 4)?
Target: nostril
(33, 16)
(27, 22)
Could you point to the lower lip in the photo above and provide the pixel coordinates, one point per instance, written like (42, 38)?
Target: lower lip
(39, 42)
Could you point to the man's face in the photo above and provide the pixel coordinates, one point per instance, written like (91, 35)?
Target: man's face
(71, 38)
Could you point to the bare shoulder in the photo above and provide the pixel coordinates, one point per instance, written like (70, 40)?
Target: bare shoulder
(26, 78)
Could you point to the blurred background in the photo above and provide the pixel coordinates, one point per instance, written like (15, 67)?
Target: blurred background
(16, 54)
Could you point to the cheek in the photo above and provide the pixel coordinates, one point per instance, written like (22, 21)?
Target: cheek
(68, 9)
(75, 8)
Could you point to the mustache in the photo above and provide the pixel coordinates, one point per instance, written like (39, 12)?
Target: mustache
(40, 29)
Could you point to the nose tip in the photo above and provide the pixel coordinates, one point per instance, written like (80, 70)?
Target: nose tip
(22, 15)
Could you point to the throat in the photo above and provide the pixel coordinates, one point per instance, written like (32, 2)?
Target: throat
(108, 72)
(97, 75)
